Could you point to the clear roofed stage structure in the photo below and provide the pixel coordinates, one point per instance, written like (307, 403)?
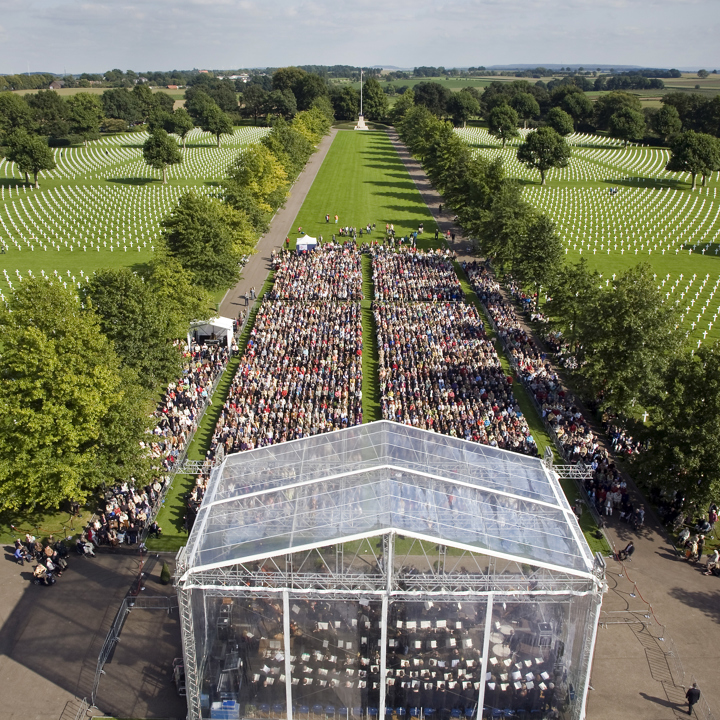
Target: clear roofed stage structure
(386, 571)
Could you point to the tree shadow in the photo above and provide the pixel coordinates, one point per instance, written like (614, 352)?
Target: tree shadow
(138, 182)
(383, 166)
(651, 183)
(705, 601)
(712, 251)
(14, 182)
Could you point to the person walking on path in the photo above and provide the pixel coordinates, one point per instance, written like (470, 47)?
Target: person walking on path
(247, 299)
(252, 292)
(692, 695)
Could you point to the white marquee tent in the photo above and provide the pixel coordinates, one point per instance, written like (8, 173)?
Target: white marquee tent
(220, 327)
(386, 570)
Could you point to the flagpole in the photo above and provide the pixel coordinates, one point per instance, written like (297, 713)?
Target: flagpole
(361, 84)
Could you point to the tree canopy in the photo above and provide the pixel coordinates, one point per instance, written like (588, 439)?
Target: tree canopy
(627, 125)
(215, 121)
(160, 150)
(132, 315)
(694, 153)
(30, 153)
(684, 435)
(86, 115)
(502, 123)
(543, 150)
(71, 419)
(208, 238)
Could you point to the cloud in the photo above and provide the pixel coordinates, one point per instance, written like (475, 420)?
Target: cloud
(162, 34)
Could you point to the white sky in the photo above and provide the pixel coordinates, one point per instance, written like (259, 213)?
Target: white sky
(98, 35)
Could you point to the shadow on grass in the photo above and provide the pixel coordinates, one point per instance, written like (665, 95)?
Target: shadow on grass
(651, 183)
(134, 181)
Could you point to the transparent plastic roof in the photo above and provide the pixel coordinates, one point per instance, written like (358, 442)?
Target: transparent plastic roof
(384, 476)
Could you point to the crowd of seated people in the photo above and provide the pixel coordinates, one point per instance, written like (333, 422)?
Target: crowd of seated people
(408, 275)
(301, 375)
(332, 271)
(125, 511)
(561, 414)
(178, 412)
(439, 371)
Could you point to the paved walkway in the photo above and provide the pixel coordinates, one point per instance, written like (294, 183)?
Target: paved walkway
(632, 672)
(257, 268)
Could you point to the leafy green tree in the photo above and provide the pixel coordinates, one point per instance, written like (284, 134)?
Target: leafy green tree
(375, 102)
(70, 418)
(627, 125)
(543, 150)
(503, 123)
(208, 238)
(159, 119)
(346, 102)
(133, 317)
(291, 148)
(684, 437)
(287, 78)
(145, 100)
(573, 290)
(526, 106)
(282, 103)
(433, 96)
(215, 121)
(86, 115)
(462, 106)
(50, 113)
(419, 130)
(182, 301)
(505, 225)
(628, 338)
(160, 150)
(182, 124)
(693, 153)
(198, 104)
(539, 257)
(321, 105)
(114, 125)
(401, 106)
(560, 121)
(666, 122)
(702, 74)
(260, 173)
(255, 101)
(122, 104)
(444, 156)
(164, 102)
(15, 113)
(607, 105)
(579, 107)
(30, 153)
(313, 124)
(308, 89)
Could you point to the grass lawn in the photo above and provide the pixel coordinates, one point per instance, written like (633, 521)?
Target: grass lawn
(654, 218)
(102, 206)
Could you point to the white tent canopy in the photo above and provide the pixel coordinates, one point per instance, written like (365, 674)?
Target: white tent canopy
(218, 326)
(306, 243)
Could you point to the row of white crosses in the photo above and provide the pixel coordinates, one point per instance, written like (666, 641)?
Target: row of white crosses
(121, 157)
(594, 159)
(88, 218)
(635, 220)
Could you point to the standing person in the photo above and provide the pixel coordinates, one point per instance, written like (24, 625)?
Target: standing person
(252, 292)
(336, 218)
(327, 217)
(692, 696)
(287, 242)
(247, 298)
(437, 232)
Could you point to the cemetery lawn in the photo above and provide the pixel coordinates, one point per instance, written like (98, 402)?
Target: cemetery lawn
(653, 210)
(362, 180)
(100, 196)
